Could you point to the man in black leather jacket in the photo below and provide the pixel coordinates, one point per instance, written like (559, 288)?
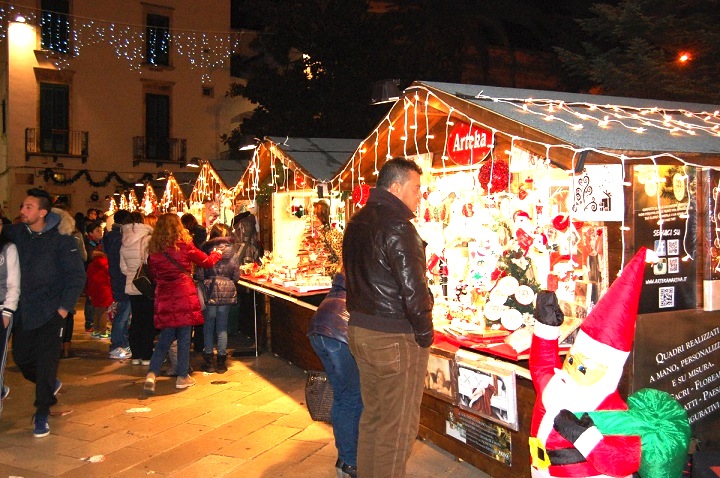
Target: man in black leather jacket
(390, 328)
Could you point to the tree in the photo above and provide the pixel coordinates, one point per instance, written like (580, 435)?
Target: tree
(632, 49)
(319, 58)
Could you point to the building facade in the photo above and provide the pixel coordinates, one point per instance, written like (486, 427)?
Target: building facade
(100, 96)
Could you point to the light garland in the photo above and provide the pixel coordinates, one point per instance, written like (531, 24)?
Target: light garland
(173, 197)
(149, 201)
(249, 183)
(208, 185)
(205, 51)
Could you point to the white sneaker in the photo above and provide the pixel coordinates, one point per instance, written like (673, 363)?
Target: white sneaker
(119, 353)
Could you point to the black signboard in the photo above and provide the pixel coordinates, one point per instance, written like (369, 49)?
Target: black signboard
(680, 354)
(665, 221)
(713, 235)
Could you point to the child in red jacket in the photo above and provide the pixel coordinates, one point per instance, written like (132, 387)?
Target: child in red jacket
(99, 292)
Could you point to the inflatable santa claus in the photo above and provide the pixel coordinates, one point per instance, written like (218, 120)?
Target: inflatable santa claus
(581, 426)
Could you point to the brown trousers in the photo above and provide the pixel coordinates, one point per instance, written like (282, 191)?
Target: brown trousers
(392, 374)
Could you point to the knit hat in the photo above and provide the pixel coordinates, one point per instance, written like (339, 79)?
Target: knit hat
(606, 334)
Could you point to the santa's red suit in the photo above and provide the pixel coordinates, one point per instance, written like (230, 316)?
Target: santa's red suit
(562, 445)
(615, 456)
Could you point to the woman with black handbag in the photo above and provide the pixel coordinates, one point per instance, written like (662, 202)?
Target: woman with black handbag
(177, 308)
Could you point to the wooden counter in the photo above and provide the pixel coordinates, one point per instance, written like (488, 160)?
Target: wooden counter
(435, 411)
(290, 315)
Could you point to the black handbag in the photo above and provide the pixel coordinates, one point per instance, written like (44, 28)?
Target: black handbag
(319, 396)
(143, 282)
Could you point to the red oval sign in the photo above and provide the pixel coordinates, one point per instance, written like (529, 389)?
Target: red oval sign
(468, 144)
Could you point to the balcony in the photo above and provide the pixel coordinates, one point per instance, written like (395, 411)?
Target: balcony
(159, 150)
(57, 143)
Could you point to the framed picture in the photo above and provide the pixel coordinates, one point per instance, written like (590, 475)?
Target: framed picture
(440, 378)
(487, 390)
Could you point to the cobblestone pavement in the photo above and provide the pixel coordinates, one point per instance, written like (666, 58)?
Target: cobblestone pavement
(249, 422)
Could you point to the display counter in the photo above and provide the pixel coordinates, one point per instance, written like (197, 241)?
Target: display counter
(450, 421)
(291, 310)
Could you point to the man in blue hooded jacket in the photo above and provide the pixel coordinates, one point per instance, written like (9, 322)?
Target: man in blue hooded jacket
(52, 276)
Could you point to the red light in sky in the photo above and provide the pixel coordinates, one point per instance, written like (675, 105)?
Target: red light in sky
(684, 57)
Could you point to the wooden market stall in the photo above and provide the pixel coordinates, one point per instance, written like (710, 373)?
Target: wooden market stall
(284, 178)
(525, 190)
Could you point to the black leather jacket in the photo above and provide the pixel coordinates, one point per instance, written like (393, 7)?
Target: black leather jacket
(385, 266)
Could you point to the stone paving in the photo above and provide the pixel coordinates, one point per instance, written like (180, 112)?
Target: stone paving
(249, 422)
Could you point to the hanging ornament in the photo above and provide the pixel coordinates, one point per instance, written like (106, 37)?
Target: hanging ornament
(494, 176)
(300, 181)
(561, 222)
(467, 210)
(360, 195)
(522, 194)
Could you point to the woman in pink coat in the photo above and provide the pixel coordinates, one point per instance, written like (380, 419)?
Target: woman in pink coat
(177, 307)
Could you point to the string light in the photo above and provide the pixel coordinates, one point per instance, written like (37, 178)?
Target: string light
(205, 51)
(602, 115)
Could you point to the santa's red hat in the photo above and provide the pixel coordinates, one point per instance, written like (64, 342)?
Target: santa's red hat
(606, 334)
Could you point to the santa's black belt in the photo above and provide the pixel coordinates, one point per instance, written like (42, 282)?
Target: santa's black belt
(565, 456)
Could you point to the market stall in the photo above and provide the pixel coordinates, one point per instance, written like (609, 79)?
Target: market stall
(528, 190)
(284, 179)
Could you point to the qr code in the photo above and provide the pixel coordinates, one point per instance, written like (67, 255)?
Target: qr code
(673, 265)
(673, 247)
(667, 297)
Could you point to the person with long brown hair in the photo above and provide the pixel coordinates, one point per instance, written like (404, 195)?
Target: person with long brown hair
(171, 255)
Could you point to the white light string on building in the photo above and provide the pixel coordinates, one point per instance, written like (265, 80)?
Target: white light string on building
(604, 115)
(607, 116)
(204, 50)
(208, 186)
(250, 181)
(173, 197)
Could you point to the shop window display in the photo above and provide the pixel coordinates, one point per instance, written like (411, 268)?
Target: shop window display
(496, 236)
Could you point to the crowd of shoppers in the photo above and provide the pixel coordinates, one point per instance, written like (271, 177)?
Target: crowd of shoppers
(372, 332)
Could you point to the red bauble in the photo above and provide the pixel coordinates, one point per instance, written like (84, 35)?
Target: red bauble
(360, 195)
(299, 181)
(499, 172)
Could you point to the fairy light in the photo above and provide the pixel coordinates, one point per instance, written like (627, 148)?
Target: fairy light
(173, 197)
(204, 51)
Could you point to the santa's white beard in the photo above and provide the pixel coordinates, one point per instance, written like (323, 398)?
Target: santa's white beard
(562, 392)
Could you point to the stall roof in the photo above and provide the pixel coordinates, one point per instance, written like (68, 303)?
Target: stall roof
(229, 170)
(321, 157)
(567, 128)
(623, 138)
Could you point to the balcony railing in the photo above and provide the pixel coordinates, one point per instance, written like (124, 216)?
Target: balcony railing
(56, 143)
(159, 150)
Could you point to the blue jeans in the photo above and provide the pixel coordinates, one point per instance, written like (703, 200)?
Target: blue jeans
(166, 338)
(216, 319)
(347, 404)
(119, 335)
